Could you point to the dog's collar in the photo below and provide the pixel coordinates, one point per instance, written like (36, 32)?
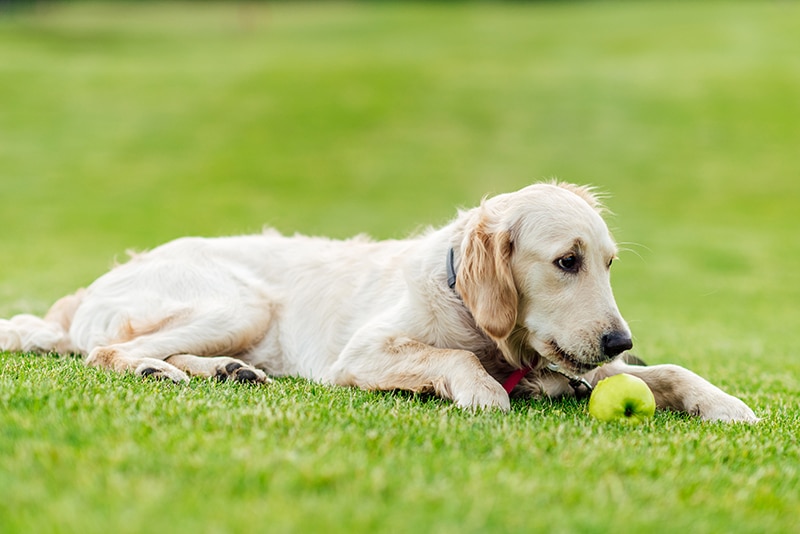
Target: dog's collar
(451, 269)
(514, 379)
(577, 382)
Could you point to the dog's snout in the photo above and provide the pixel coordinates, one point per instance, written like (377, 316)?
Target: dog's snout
(616, 343)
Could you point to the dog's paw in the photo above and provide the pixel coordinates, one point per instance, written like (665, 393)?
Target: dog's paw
(240, 372)
(724, 408)
(483, 394)
(161, 370)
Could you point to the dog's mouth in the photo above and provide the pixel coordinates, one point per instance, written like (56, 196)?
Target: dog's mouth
(567, 361)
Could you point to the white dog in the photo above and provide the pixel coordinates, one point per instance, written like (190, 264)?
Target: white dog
(510, 297)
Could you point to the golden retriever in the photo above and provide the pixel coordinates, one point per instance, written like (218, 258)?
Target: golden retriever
(510, 298)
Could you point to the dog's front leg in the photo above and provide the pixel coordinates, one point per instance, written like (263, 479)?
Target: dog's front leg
(677, 388)
(403, 363)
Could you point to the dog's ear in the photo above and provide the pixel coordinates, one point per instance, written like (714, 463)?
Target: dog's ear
(485, 281)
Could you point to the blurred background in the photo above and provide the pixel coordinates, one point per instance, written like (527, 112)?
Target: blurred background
(123, 125)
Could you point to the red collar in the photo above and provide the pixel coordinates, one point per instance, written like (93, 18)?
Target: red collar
(575, 381)
(512, 381)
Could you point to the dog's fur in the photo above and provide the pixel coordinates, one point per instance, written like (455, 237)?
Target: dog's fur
(532, 287)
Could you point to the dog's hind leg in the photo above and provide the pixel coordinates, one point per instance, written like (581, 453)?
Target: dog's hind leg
(176, 347)
(121, 359)
(220, 367)
(177, 367)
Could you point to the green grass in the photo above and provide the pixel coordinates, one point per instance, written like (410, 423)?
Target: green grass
(124, 125)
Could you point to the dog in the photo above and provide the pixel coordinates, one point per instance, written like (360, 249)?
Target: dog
(510, 299)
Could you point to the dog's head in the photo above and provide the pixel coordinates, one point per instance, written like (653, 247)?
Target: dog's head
(535, 266)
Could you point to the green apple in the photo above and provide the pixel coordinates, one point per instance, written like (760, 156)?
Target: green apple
(624, 398)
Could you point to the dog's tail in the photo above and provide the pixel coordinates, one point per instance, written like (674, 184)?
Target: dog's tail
(28, 333)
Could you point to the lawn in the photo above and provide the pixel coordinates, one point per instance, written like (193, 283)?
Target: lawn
(125, 125)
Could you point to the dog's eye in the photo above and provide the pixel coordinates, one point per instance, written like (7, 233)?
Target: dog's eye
(610, 262)
(568, 263)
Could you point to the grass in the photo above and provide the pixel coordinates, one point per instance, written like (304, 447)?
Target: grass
(124, 125)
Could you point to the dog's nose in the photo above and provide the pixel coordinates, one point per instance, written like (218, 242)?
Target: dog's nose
(616, 343)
